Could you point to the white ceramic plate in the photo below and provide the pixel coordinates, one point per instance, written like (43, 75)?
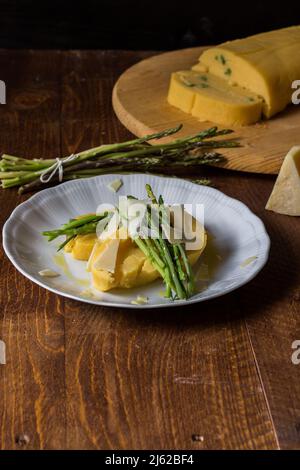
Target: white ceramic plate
(236, 253)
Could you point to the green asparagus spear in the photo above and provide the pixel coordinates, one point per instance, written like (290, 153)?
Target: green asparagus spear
(133, 155)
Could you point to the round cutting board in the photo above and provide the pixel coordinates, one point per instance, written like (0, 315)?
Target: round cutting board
(139, 100)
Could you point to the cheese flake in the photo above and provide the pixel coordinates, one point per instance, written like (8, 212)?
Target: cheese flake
(248, 261)
(89, 263)
(48, 273)
(115, 185)
(140, 300)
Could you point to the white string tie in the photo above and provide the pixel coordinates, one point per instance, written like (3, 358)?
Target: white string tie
(58, 166)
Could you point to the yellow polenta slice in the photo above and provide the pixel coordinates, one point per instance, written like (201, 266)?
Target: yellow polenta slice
(132, 268)
(81, 246)
(210, 98)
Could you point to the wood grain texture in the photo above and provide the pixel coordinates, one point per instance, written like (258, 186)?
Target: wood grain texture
(273, 317)
(32, 392)
(140, 102)
(216, 375)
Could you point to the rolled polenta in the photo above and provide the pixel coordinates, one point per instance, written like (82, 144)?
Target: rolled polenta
(210, 98)
(265, 64)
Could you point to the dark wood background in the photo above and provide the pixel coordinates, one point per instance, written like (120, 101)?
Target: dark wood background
(137, 24)
(216, 375)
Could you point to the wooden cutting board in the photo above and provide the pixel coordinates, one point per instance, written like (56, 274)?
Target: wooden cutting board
(139, 100)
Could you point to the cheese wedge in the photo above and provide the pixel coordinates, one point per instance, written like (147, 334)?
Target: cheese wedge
(210, 98)
(285, 197)
(265, 64)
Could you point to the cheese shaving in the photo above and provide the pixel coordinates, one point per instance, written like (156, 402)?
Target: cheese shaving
(48, 273)
(140, 300)
(115, 185)
(248, 261)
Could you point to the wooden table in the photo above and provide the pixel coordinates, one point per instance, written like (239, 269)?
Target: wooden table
(217, 375)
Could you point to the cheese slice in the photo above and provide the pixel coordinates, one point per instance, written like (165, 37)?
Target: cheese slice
(107, 258)
(265, 64)
(210, 98)
(91, 257)
(285, 197)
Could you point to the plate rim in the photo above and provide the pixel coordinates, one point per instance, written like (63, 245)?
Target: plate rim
(179, 303)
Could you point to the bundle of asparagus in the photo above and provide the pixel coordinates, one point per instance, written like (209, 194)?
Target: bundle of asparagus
(134, 155)
(169, 259)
